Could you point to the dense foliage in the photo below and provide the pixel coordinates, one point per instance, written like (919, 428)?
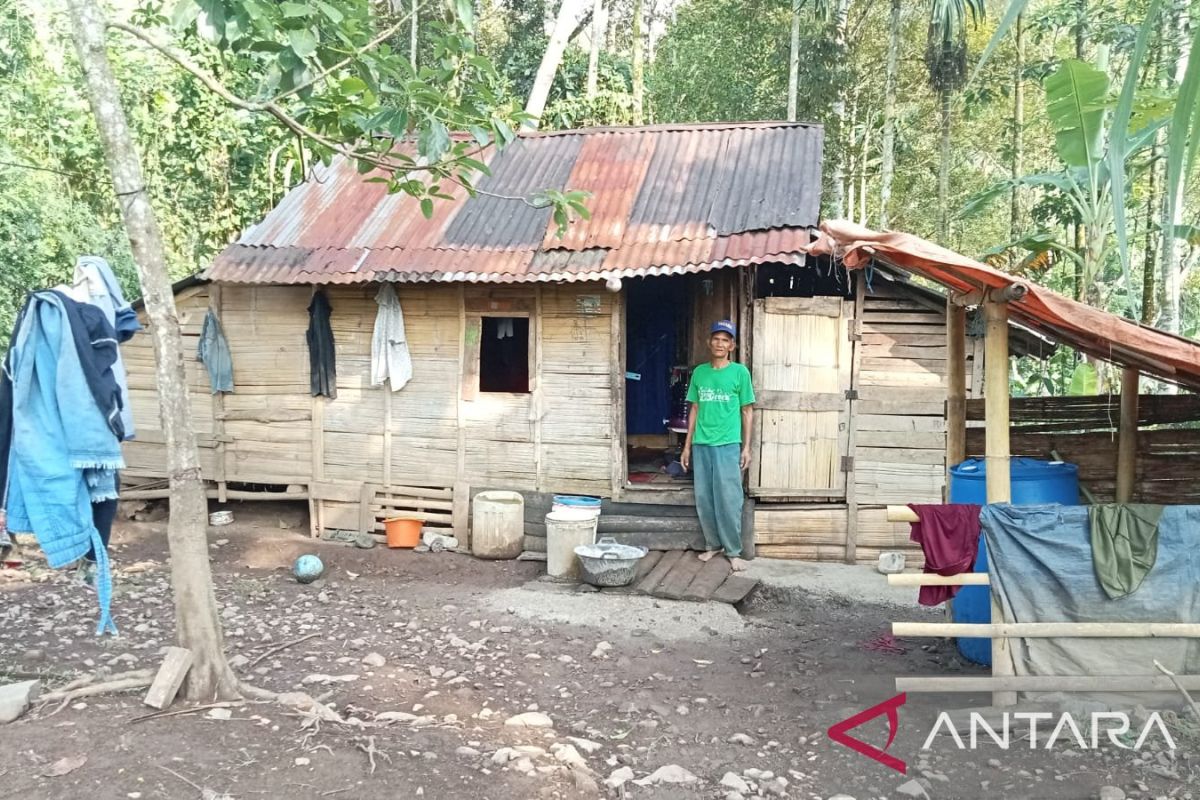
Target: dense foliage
(213, 168)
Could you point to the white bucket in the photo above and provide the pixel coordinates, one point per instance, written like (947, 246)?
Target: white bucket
(566, 530)
(498, 525)
(589, 506)
(218, 518)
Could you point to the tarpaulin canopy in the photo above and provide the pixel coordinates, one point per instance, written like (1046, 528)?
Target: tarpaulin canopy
(1098, 333)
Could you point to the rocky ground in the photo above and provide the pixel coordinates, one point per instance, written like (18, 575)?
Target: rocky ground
(448, 677)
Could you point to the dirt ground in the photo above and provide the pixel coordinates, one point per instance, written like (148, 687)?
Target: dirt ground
(462, 645)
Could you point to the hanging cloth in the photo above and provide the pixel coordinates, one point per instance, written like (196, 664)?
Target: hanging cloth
(390, 359)
(504, 328)
(321, 358)
(949, 538)
(63, 455)
(95, 283)
(96, 346)
(1124, 545)
(214, 352)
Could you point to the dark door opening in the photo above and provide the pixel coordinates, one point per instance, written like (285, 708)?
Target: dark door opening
(657, 340)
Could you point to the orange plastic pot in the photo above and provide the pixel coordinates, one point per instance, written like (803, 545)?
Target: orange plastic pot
(402, 532)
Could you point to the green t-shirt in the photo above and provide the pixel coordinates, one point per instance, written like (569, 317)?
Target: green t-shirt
(720, 395)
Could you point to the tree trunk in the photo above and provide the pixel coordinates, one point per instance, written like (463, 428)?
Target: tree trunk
(794, 64)
(412, 35)
(864, 147)
(593, 73)
(852, 161)
(639, 69)
(887, 166)
(1018, 131)
(1081, 29)
(944, 171)
(1149, 264)
(568, 15)
(837, 177)
(198, 628)
(1173, 205)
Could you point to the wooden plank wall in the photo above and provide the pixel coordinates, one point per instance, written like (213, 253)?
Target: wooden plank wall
(557, 438)
(1082, 430)
(145, 457)
(899, 453)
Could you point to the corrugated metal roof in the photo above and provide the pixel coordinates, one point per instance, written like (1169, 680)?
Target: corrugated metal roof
(673, 198)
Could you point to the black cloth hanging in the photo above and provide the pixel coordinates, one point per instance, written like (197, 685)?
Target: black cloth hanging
(321, 363)
(96, 343)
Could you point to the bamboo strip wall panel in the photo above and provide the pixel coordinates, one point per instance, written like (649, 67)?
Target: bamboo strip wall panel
(499, 418)
(149, 459)
(416, 460)
(1100, 412)
(579, 462)
(353, 456)
(355, 410)
(885, 482)
(503, 463)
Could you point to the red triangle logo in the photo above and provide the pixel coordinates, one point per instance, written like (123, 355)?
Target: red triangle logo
(838, 732)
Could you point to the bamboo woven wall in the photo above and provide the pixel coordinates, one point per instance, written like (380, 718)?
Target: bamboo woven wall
(558, 437)
(1082, 430)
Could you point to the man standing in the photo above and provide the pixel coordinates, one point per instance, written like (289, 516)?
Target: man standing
(718, 443)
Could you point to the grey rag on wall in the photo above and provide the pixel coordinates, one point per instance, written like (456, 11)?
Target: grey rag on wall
(390, 358)
(214, 352)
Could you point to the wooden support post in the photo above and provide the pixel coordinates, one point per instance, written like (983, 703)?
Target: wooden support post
(956, 377)
(999, 483)
(169, 678)
(853, 341)
(619, 453)
(218, 407)
(1127, 444)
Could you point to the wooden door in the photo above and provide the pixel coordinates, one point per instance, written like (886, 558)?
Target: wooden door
(801, 368)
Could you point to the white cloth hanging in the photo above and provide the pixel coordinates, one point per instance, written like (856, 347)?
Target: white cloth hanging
(390, 359)
(504, 328)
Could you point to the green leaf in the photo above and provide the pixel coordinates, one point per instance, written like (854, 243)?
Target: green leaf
(353, 85)
(185, 13)
(504, 132)
(331, 12)
(481, 135)
(981, 200)
(303, 43)
(1015, 9)
(478, 166)
(434, 140)
(293, 10)
(466, 14)
(1075, 95)
(427, 207)
(1120, 146)
(1084, 380)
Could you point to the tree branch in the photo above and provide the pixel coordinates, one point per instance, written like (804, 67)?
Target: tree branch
(270, 107)
(371, 45)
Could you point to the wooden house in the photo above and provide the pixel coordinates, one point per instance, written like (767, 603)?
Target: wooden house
(551, 364)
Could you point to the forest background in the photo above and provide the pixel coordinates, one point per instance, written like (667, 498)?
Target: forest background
(934, 146)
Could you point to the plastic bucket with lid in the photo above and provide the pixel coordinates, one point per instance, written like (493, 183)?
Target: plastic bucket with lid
(566, 530)
(589, 506)
(402, 532)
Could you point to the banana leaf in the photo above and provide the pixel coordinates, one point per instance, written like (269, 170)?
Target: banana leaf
(1075, 97)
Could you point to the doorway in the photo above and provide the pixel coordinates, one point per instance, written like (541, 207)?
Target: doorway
(658, 334)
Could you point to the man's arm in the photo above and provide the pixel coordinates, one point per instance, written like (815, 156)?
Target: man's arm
(747, 429)
(686, 458)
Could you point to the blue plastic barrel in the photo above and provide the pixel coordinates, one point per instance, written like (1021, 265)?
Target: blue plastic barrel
(1034, 482)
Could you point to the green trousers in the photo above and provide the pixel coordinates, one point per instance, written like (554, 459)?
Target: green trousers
(718, 474)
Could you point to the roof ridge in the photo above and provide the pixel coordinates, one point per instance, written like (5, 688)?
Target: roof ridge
(666, 127)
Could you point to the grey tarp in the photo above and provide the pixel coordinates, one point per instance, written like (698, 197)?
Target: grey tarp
(1040, 566)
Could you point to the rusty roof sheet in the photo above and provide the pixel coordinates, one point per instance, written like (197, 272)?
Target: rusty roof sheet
(664, 199)
(1172, 358)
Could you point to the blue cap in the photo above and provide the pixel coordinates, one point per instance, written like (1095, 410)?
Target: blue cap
(725, 326)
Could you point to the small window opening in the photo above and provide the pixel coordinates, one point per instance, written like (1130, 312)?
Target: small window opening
(504, 355)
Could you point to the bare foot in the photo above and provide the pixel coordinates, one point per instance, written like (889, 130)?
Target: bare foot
(708, 554)
(738, 564)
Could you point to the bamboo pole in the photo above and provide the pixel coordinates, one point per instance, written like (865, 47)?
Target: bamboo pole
(1127, 436)
(1051, 630)
(1047, 683)
(919, 579)
(999, 483)
(956, 376)
(901, 514)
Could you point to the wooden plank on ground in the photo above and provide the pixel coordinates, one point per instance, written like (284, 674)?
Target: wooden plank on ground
(678, 579)
(711, 576)
(170, 677)
(655, 576)
(648, 562)
(735, 589)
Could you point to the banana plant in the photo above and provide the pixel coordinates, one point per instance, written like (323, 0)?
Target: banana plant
(1095, 161)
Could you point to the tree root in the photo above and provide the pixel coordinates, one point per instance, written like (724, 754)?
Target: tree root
(85, 687)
